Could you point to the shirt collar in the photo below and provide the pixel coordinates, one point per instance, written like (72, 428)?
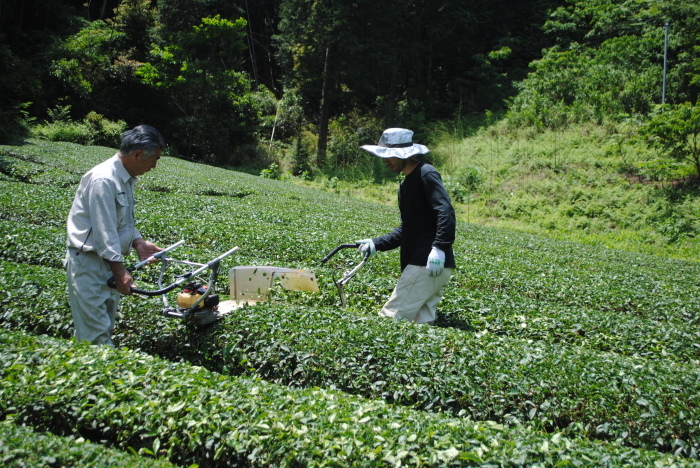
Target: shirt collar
(121, 170)
(416, 170)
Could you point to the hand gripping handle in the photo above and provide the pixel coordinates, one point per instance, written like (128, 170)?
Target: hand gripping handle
(112, 283)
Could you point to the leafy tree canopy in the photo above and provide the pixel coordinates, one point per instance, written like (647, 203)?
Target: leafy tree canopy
(675, 129)
(608, 62)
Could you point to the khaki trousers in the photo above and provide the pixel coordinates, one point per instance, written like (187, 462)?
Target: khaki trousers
(416, 295)
(93, 304)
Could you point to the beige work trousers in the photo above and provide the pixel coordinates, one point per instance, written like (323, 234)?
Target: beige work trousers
(93, 304)
(416, 295)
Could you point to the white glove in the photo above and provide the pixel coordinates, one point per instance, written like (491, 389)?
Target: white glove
(436, 262)
(366, 245)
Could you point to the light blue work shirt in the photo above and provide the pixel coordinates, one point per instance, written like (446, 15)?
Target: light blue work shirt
(101, 219)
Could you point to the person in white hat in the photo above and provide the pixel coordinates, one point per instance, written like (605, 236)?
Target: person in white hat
(426, 232)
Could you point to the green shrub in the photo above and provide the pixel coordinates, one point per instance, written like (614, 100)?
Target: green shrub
(188, 415)
(20, 446)
(74, 132)
(94, 129)
(458, 193)
(271, 172)
(470, 178)
(104, 132)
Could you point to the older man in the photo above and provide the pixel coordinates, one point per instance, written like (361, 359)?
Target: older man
(101, 232)
(425, 235)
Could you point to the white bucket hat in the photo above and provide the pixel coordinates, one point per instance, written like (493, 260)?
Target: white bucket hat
(396, 143)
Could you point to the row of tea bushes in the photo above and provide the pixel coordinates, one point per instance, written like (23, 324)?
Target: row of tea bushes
(21, 447)
(282, 224)
(191, 416)
(566, 273)
(631, 334)
(639, 402)
(665, 329)
(34, 156)
(35, 300)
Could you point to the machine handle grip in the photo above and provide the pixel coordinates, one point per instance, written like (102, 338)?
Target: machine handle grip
(144, 292)
(214, 265)
(155, 256)
(339, 248)
(111, 282)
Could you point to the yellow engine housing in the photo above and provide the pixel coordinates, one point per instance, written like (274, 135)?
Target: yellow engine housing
(185, 300)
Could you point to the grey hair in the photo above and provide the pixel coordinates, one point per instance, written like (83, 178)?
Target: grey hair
(144, 138)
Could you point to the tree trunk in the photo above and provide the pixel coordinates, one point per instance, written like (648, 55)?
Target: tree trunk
(325, 112)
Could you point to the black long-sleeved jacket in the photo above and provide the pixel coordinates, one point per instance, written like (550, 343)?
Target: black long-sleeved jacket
(427, 219)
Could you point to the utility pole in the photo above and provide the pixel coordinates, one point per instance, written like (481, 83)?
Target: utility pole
(663, 88)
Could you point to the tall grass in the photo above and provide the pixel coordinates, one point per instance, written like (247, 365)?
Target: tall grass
(587, 183)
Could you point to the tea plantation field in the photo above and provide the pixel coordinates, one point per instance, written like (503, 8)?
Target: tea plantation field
(546, 353)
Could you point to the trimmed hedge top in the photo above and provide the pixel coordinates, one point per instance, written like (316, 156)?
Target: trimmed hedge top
(190, 415)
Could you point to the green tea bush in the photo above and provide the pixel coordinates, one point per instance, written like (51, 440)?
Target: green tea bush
(555, 335)
(37, 300)
(20, 446)
(188, 415)
(70, 157)
(480, 375)
(551, 386)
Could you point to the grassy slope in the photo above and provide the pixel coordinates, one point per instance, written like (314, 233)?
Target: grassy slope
(586, 184)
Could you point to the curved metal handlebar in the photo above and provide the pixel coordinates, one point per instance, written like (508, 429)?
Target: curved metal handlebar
(341, 247)
(161, 255)
(158, 292)
(112, 283)
(348, 275)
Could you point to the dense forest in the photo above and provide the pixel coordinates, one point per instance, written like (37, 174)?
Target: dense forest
(240, 82)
